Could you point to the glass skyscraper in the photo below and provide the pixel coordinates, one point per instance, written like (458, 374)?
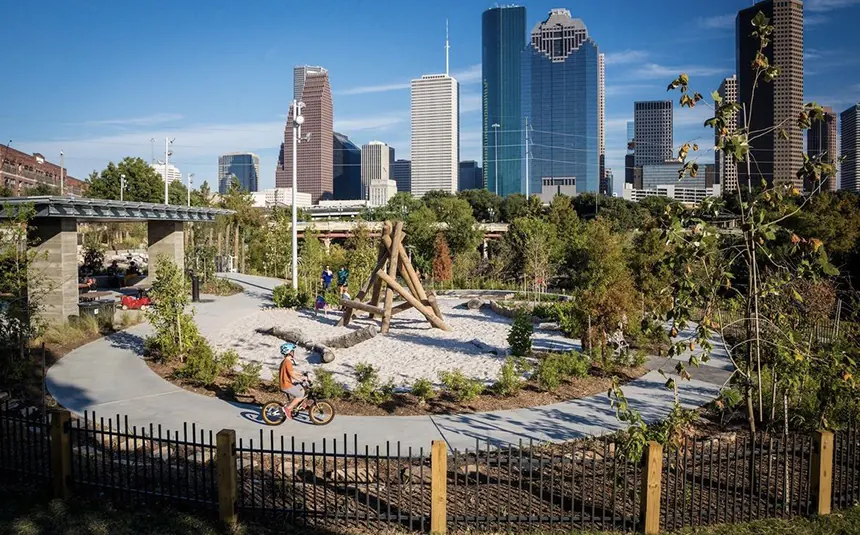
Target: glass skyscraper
(241, 166)
(561, 99)
(346, 169)
(503, 36)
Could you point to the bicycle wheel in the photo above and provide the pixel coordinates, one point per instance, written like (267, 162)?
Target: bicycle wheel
(321, 412)
(273, 413)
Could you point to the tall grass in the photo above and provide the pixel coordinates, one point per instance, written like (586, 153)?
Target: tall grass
(72, 332)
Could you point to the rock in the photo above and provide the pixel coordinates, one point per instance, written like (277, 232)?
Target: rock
(485, 348)
(414, 474)
(471, 468)
(474, 304)
(353, 475)
(284, 468)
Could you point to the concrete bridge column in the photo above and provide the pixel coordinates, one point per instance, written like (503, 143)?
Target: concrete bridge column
(165, 237)
(327, 244)
(485, 249)
(53, 277)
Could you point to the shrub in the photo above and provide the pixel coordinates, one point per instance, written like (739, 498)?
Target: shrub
(459, 386)
(325, 386)
(200, 365)
(73, 332)
(285, 296)
(423, 390)
(228, 360)
(520, 336)
(575, 364)
(549, 372)
(508, 382)
(176, 334)
(246, 378)
(369, 388)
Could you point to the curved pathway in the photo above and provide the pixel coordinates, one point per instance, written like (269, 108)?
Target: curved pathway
(108, 377)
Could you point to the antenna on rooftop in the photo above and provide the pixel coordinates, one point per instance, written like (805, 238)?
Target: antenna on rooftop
(447, 47)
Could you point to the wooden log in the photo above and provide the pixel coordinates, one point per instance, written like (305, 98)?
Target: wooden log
(365, 307)
(428, 312)
(402, 307)
(403, 260)
(392, 272)
(354, 338)
(297, 337)
(434, 305)
(411, 274)
(381, 258)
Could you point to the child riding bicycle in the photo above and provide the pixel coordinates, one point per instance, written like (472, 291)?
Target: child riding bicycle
(289, 380)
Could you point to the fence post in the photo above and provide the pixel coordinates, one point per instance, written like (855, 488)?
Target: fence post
(61, 452)
(438, 487)
(225, 458)
(651, 486)
(822, 471)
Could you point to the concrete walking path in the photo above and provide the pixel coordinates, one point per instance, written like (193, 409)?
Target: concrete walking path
(109, 377)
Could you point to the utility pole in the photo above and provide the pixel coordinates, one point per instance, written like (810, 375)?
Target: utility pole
(495, 128)
(190, 176)
(121, 186)
(152, 150)
(297, 125)
(167, 142)
(62, 173)
(528, 154)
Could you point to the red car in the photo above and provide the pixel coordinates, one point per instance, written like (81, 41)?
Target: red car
(130, 302)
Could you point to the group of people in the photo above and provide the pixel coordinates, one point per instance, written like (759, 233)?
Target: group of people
(122, 279)
(327, 278)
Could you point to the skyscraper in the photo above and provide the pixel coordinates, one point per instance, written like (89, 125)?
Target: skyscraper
(243, 166)
(652, 132)
(503, 35)
(471, 176)
(435, 134)
(726, 167)
(168, 172)
(314, 156)
(346, 172)
(629, 158)
(562, 101)
(777, 104)
(376, 183)
(851, 148)
(402, 175)
(605, 183)
(821, 140)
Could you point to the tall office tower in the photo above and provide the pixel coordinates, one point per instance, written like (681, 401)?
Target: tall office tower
(346, 169)
(435, 134)
(726, 166)
(314, 165)
(629, 160)
(605, 184)
(376, 182)
(652, 132)
(503, 36)
(561, 99)
(821, 140)
(402, 175)
(471, 176)
(851, 148)
(170, 172)
(243, 166)
(777, 104)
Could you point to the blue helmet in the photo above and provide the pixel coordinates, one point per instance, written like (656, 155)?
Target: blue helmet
(287, 348)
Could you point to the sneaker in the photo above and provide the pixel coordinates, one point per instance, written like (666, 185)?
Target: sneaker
(289, 414)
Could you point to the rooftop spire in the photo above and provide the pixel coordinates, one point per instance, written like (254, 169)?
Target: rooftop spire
(447, 48)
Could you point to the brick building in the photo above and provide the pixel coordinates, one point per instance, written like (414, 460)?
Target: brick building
(21, 172)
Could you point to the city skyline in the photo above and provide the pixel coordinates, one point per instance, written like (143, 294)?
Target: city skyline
(103, 116)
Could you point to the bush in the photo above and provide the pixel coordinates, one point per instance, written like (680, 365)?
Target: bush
(508, 382)
(228, 360)
(325, 386)
(73, 332)
(246, 378)
(285, 296)
(459, 386)
(423, 390)
(555, 367)
(200, 365)
(369, 389)
(575, 364)
(520, 336)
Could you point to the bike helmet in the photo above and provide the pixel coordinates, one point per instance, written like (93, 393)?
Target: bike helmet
(287, 348)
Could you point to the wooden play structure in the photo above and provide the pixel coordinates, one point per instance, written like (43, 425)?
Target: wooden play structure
(392, 261)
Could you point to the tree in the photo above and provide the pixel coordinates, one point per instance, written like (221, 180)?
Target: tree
(421, 232)
(442, 260)
(42, 189)
(175, 330)
(142, 183)
(361, 254)
(312, 257)
(462, 234)
(177, 193)
(401, 204)
(513, 206)
(486, 206)
(529, 245)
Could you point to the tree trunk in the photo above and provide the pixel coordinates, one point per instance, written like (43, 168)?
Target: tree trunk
(236, 246)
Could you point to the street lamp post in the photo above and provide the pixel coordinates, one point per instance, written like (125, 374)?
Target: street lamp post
(496, 127)
(190, 176)
(62, 168)
(167, 153)
(297, 129)
(121, 186)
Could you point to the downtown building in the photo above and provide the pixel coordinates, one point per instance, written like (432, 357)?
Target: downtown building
(653, 134)
(776, 104)
(821, 141)
(21, 171)
(503, 38)
(471, 176)
(346, 171)
(401, 173)
(851, 148)
(435, 134)
(605, 181)
(561, 98)
(314, 161)
(376, 183)
(244, 167)
(725, 165)
(168, 172)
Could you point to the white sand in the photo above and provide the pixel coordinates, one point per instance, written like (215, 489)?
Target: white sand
(411, 350)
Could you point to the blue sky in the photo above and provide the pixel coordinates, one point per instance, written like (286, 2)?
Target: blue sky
(99, 79)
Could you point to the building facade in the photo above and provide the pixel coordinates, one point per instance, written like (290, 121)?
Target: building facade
(777, 104)
(605, 182)
(402, 175)
(168, 172)
(435, 134)
(471, 176)
(503, 37)
(346, 171)
(376, 182)
(21, 171)
(561, 73)
(821, 139)
(629, 158)
(653, 134)
(726, 166)
(681, 194)
(282, 197)
(314, 162)
(243, 166)
(851, 148)
(666, 174)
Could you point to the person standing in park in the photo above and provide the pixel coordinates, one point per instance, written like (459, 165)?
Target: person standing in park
(342, 280)
(326, 278)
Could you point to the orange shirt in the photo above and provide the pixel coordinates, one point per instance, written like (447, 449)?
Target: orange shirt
(285, 375)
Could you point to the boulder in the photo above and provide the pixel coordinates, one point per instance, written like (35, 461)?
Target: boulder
(352, 475)
(474, 304)
(414, 474)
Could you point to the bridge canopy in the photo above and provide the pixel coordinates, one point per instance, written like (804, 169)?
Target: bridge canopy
(106, 210)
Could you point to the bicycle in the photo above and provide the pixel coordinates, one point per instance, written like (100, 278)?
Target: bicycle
(320, 412)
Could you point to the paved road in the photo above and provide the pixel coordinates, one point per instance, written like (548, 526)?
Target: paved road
(109, 377)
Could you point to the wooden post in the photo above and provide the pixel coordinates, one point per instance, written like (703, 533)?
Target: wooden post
(392, 272)
(61, 453)
(651, 484)
(822, 471)
(385, 255)
(371, 283)
(226, 467)
(427, 311)
(438, 487)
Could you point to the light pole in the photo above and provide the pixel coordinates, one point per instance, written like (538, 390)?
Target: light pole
(62, 169)
(190, 176)
(121, 186)
(495, 128)
(297, 129)
(167, 153)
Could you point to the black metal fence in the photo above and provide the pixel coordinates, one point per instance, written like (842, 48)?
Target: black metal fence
(846, 468)
(25, 444)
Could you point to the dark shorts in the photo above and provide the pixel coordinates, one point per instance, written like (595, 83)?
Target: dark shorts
(296, 391)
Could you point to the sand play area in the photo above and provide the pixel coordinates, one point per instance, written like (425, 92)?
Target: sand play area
(477, 343)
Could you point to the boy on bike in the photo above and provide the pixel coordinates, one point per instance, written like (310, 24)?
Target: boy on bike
(288, 378)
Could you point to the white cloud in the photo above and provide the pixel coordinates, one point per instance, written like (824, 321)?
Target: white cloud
(814, 20)
(691, 117)
(717, 22)
(617, 125)
(655, 70)
(823, 6)
(625, 57)
(369, 123)
(470, 102)
(614, 90)
(469, 75)
(147, 120)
